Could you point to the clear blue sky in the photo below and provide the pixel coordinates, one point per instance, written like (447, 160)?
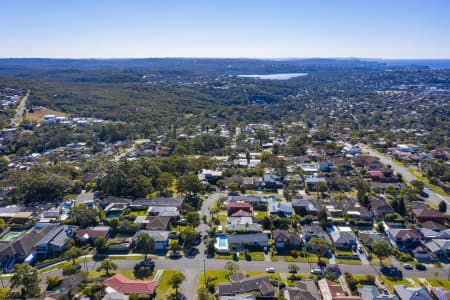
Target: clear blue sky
(225, 28)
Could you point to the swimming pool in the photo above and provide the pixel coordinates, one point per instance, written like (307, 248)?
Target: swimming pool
(113, 215)
(10, 235)
(221, 244)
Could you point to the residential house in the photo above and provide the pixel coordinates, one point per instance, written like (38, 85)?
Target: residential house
(174, 202)
(379, 207)
(250, 284)
(121, 284)
(155, 223)
(304, 289)
(370, 292)
(242, 224)
(281, 209)
(439, 247)
(429, 234)
(164, 211)
(344, 240)
(333, 291)
(54, 242)
(305, 207)
(367, 162)
(421, 254)
(209, 176)
(312, 182)
(251, 239)
(239, 209)
(294, 181)
(20, 246)
(440, 293)
(161, 238)
(367, 238)
(422, 215)
(252, 183)
(404, 239)
(239, 297)
(91, 234)
(272, 182)
(250, 199)
(314, 231)
(409, 293)
(286, 239)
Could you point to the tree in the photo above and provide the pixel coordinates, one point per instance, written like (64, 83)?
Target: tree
(417, 185)
(84, 216)
(293, 268)
(443, 206)
(176, 280)
(381, 249)
(189, 184)
(401, 207)
(193, 218)
(101, 245)
(144, 268)
(323, 218)
(107, 265)
(52, 282)
(97, 291)
(164, 181)
(26, 277)
(231, 267)
(319, 245)
(189, 236)
(145, 244)
(73, 253)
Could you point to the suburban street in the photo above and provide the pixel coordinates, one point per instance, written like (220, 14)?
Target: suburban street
(20, 110)
(433, 197)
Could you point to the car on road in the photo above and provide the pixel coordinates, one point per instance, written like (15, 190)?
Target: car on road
(270, 270)
(175, 255)
(421, 267)
(407, 267)
(316, 271)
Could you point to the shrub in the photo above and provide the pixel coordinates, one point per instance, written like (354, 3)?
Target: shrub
(71, 269)
(144, 268)
(294, 253)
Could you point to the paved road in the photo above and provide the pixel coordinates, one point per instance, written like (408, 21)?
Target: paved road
(20, 111)
(433, 197)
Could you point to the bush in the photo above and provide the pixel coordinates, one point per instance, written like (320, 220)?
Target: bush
(294, 253)
(71, 269)
(144, 269)
(52, 282)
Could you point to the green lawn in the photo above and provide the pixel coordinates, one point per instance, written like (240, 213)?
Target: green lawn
(312, 258)
(271, 276)
(342, 252)
(259, 256)
(164, 289)
(291, 282)
(386, 261)
(223, 256)
(139, 213)
(222, 217)
(348, 261)
(127, 273)
(435, 188)
(439, 282)
(391, 282)
(274, 258)
(219, 275)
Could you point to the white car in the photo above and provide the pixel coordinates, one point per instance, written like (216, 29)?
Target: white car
(316, 271)
(270, 270)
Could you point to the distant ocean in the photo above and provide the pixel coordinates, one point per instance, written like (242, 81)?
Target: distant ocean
(436, 64)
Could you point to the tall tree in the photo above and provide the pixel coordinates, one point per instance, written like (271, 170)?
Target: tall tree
(107, 265)
(381, 249)
(175, 281)
(189, 184)
(26, 277)
(319, 245)
(145, 244)
(73, 253)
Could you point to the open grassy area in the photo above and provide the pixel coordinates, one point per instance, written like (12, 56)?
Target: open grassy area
(439, 282)
(389, 283)
(164, 289)
(271, 276)
(222, 217)
(259, 215)
(218, 275)
(223, 256)
(386, 261)
(127, 273)
(259, 256)
(435, 188)
(4, 293)
(38, 116)
(291, 281)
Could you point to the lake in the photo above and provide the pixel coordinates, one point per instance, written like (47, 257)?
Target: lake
(281, 76)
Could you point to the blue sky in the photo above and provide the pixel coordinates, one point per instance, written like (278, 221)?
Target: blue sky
(225, 28)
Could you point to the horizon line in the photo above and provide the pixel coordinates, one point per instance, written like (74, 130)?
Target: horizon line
(224, 57)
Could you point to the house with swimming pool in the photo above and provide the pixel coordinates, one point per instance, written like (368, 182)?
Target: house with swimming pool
(226, 242)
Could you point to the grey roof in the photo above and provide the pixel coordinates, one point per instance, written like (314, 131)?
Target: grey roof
(247, 238)
(370, 292)
(343, 236)
(309, 288)
(314, 230)
(115, 296)
(242, 224)
(177, 202)
(57, 237)
(408, 293)
(246, 198)
(315, 179)
(257, 283)
(310, 204)
(274, 206)
(437, 245)
(170, 211)
(159, 236)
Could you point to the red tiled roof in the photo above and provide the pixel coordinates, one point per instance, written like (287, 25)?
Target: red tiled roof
(127, 286)
(238, 205)
(427, 213)
(92, 233)
(241, 213)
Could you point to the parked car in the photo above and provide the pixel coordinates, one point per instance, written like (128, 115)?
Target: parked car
(316, 271)
(391, 272)
(407, 266)
(421, 267)
(175, 255)
(270, 270)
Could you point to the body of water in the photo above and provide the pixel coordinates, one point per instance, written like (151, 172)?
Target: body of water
(282, 76)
